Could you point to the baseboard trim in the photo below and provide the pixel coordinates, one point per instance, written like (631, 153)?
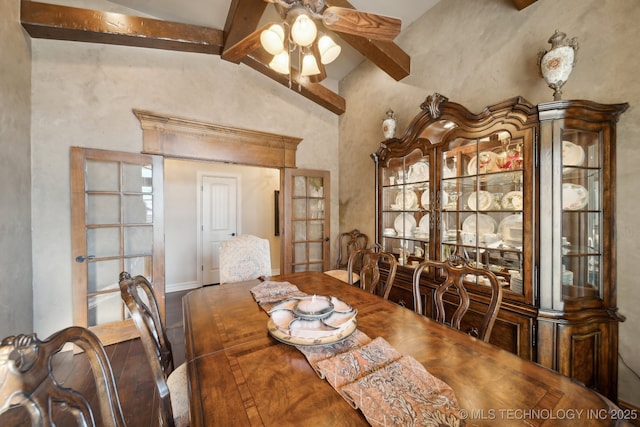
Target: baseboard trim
(178, 287)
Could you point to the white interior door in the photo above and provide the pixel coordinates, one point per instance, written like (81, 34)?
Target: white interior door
(219, 221)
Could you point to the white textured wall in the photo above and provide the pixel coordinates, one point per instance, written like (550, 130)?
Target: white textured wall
(83, 94)
(181, 217)
(16, 305)
(483, 51)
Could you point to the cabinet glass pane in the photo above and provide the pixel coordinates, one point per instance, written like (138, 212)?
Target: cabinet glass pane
(103, 209)
(102, 176)
(137, 178)
(481, 203)
(581, 214)
(406, 204)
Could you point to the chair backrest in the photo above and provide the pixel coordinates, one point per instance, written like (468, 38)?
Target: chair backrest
(29, 388)
(455, 272)
(244, 257)
(348, 243)
(139, 297)
(370, 277)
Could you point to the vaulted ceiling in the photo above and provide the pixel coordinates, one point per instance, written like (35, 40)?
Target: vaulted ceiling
(235, 42)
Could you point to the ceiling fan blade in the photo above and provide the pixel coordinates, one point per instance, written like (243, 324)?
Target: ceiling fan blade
(369, 25)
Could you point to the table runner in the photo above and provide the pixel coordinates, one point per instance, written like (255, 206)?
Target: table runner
(387, 387)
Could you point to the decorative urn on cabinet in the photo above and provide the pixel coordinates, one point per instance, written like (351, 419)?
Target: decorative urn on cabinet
(556, 64)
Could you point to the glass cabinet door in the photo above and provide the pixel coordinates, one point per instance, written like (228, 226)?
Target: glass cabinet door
(581, 196)
(481, 202)
(406, 207)
(306, 216)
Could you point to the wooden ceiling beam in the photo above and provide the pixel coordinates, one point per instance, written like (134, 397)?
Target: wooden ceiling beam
(387, 55)
(240, 28)
(521, 4)
(49, 21)
(302, 85)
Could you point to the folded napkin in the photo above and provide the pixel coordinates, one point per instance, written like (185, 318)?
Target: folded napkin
(316, 353)
(403, 393)
(270, 292)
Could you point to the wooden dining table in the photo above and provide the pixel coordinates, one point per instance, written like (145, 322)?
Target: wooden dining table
(239, 375)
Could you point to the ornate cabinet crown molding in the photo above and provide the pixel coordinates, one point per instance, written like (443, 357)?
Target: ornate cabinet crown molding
(184, 138)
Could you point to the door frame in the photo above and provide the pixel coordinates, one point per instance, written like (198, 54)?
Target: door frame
(199, 219)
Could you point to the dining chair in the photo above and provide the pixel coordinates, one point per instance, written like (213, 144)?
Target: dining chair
(348, 242)
(244, 257)
(455, 272)
(370, 277)
(30, 394)
(139, 297)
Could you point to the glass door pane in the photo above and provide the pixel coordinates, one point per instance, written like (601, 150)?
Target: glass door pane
(581, 214)
(481, 205)
(407, 219)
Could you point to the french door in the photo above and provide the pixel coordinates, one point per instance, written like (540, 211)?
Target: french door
(306, 231)
(116, 225)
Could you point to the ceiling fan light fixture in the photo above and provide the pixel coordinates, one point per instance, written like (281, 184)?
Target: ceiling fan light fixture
(309, 66)
(280, 63)
(272, 39)
(329, 50)
(303, 30)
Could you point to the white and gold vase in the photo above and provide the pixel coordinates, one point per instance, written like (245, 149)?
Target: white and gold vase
(556, 64)
(389, 124)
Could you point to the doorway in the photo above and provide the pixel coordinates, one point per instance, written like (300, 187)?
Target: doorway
(183, 266)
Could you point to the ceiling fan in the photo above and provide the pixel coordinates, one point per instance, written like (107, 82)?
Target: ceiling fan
(299, 31)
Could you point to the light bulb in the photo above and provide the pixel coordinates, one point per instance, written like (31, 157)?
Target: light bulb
(309, 66)
(272, 39)
(329, 50)
(280, 63)
(303, 30)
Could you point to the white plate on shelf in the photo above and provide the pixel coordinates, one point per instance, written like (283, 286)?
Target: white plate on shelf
(510, 229)
(410, 199)
(424, 199)
(513, 200)
(424, 226)
(480, 224)
(572, 154)
(418, 172)
(405, 224)
(487, 163)
(480, 200)
(574, 197)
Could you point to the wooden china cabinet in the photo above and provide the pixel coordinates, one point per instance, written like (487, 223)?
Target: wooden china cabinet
(522, 190)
